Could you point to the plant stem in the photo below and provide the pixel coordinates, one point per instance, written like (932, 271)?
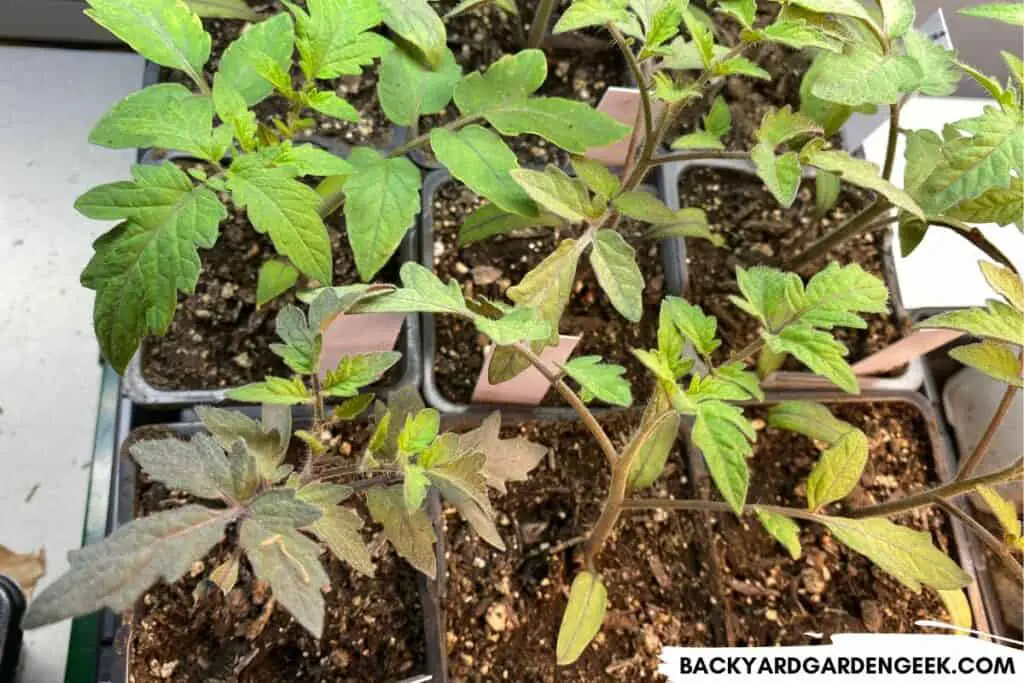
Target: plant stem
(890, 147)
(747, 351)
(699, 505)
(318, 401)
(994, 544)
(638, 74)
(539, 25)
(976, 237)
(957, 487)
(573, 400)
(200, 81)
(974, 459)
(855, 226)
(698, 155)
(423, 139)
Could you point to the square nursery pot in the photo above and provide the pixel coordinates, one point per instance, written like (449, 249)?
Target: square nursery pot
(671, 256)
(1002, 594)
(941, 463)
(142, 392)
(909, 378)
(117, 634)
(153, 73)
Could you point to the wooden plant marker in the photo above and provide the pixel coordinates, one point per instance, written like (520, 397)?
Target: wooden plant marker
(622, 104)
(529, 386)
(359, 333)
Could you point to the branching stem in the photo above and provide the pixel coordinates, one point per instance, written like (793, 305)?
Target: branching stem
(978, 454)
(424, 138)
(539, 25)
(994, 544)
(857, 225)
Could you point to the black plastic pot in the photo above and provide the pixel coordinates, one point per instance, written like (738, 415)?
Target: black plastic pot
(672, 252)
(912, 376)
(939, 367)
(942, 460)
(114, 652)
(142, 393)
(12, 606)
(153, 73)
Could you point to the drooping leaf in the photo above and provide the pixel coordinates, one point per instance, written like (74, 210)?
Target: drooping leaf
(382, 198)
(838, 470)
(276, 390)
(266, 445)
(490, 220)
(780, 173)
(1003, 510)
(1006, 12)
(507, 459)
(163, 31)
(993, 358)
(1001, 206)
(417, 23)
(588, 601)
(290, 563)
(958, 607)
(225, 574)
(811, 419)
(139, 267)
(263, 48)
(116, 571)
(410, 532)
(907, 555)
(407, 89)
(652, 454)
(276, 277)
(482, 160)
(998, 321)
(603, 380)
(584, 13)
(859, 172)
(279, 509)
(783, 529)
(165, 115)
(1005, 282)
(826, 191)
(334, 37)
(724, 435)
(286, 210)
(614, 264)
(819, 351)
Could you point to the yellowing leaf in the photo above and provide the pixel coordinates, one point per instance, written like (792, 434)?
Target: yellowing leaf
(993, 358)
(614, 263)
(1004, 511)
(838, 470)
(959, 609)
(588, 601)
(507, 459)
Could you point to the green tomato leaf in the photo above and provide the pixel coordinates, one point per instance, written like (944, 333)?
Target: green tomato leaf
(482, 160)
(838, 470)
(826, 191)
(382, 198)
(410, 532)
(139, 267)
(799, 34)
(783, 529)
(834, 295)
(861, 76)
(417, 23)
(993, 358)
(783, 125)
(938, 65)
(603, 380)
(263, 48)
(818, 350)
(811, 419)
(897, 16)
(770, 295)
(652, 454)
(597, 177)
(165, 115)
(781, 174)
(490, 220)
(355, 372)
(461, 481)
(276, 277)
(163, 31)
(275, 390)
(584, 13)
(419, 430)
(742, 10)
(1001, 206)
(697, 327)
(224, 9)
(573, 126)
(327, 102)
(1006, 12)
(614, 263)
(414, 487)
(1004, 281)
(116, 571)
(997, 321)
(510, 79)
(334, 38)
(266, 445)
(407, 89)
(907, 555)
(861, 173)
(588, 601)
(724, 435)
(555, 191)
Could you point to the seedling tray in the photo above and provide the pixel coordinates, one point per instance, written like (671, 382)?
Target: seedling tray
(137, 388)
(672, 253)
(943, 462)
(910, 379)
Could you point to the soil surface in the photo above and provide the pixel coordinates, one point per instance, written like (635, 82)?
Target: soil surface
(373, 128)
(491, 266)
(749, 99)
(189, 631)
(218, 338)
(504, 608)
(771, 599)
(581, 66)
(756, 229)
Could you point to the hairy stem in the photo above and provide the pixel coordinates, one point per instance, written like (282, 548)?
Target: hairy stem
(573, 400)
(957, 487)
(318, 401)
(541, 20)
(890, 147)
(698, 155)
(976, 237)
(638, 75)
(699, 505)
(977, 455)
(856, 225)
(993, 543)
(747, 352)
(423, 139)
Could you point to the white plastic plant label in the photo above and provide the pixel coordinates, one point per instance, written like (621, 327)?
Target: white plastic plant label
(359, 333)
(529, 386)
(622, 104)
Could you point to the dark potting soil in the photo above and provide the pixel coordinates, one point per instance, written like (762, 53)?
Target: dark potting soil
(218, 338)
(756, 229)
(190, 632)
(491, 266)
(504, 608)
(771, 599)
(581, 66)
(373, 128)
(749, 99)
